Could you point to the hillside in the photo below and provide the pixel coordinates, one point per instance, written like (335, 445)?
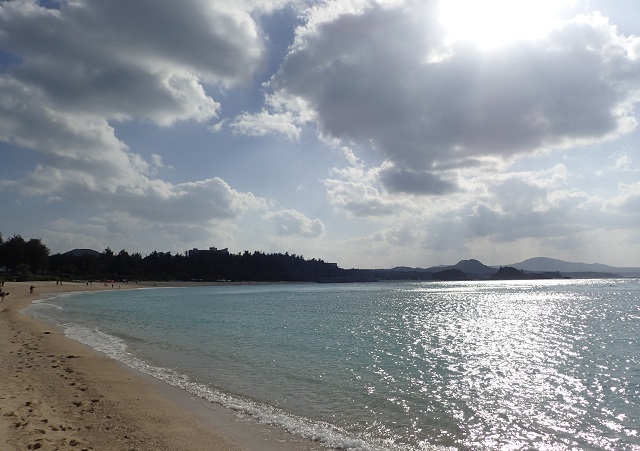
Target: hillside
(471, 267)
(552, 264)
(82, 253)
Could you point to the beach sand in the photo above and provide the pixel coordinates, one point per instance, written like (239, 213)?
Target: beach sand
(58, 394)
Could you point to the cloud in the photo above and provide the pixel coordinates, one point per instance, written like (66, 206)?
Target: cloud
(218, 40)
(266, 123)
(383, 76)
(627, 202)
(88, 64)
(356, 191)
(620, 163)
(405, 235)
(84, 148)
(102, 61)
(118, 62)
(534, 206)
(294, 223)
(358, 199)
(530, 210)
(408, 181)
(204, 200)
(281, 115)
(525, 204)
(119, 230)
(152, 200)
(67, 234)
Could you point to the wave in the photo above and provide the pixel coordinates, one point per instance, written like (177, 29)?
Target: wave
(321, 432)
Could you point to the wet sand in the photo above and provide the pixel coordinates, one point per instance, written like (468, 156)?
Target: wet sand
(58, 394)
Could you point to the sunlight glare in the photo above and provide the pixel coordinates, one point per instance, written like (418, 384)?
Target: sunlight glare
(492, 23)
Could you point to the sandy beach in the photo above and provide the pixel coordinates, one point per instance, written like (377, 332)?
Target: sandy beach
(58, 394)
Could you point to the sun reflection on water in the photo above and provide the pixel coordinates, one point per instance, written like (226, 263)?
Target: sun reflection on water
(513, 367)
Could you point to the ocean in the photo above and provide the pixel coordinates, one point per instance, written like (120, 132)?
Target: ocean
(551, 364)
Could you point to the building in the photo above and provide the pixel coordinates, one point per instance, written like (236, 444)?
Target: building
(212, 250)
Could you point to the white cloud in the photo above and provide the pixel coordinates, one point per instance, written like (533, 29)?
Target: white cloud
(281, 114)
(621, 163)
(356, 191)
(121, 231)
(90, 63)
(627, 202)
(358, 199)
(66, 234)
(204, 200)
(265, 123)
(294, 223)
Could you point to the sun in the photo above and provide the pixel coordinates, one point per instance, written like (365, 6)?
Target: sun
(492, 23)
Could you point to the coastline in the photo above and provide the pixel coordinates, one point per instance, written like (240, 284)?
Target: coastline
(56, 393)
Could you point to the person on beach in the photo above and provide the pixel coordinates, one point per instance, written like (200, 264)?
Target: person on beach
(3, 294)
(31, 288)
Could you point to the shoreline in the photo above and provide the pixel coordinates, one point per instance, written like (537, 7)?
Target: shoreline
(57, 393)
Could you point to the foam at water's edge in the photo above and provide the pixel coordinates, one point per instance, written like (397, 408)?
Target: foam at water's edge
(320, 432)
(31, 309)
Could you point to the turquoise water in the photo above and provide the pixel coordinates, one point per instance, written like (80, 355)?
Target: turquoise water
(478, 365)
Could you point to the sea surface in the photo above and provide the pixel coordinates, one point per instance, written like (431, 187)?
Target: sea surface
(373, 366)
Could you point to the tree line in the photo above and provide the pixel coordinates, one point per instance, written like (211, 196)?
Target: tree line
(22, 259)
(20, 256)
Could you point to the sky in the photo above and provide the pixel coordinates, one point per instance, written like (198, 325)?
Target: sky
(369, 133)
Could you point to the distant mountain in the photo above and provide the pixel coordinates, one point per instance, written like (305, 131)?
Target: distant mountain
(471, 267)
(406, 269)
(82, 253)
(552, 264)
(475, 269)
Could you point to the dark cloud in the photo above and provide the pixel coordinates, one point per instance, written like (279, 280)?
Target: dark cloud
(213, 39)
(512, 225)
(369, 207)
(411, 182)
(384, 77)
(121, 60)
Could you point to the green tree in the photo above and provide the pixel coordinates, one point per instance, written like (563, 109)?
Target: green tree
(106, 260)
(13, 252)
(121, 264)
(37, 255)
